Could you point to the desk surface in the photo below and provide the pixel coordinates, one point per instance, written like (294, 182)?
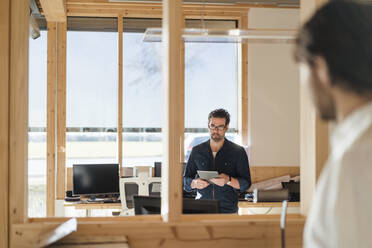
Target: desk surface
(242, 204)
(246, 204)
(96, 205)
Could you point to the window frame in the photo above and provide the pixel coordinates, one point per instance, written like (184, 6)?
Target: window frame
(239, 15)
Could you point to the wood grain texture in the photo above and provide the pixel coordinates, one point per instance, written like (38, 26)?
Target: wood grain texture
(51, 118)
(259, 231)
(54, 10)
(120, 91)
(243, 85)
(4, 120)
(313, 132)
(173, 124)
(61, 109)
(18, 111)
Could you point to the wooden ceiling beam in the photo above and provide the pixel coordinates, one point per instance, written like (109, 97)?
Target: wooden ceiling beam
(54, 10)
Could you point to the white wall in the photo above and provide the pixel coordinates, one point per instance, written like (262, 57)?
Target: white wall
(273, 79)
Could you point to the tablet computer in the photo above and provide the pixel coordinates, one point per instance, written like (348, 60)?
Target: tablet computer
(206, 175)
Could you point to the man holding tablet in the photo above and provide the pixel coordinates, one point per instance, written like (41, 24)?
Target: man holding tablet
(228, 160)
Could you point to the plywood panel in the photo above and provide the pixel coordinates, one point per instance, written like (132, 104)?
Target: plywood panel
(120, 90)
(4, 120)
(259, 231)
(314, 133)
(18, 110)
(51, 118)
(173, 124)
(243, 86)
(54, 10)
(262, 173)
(61, 110)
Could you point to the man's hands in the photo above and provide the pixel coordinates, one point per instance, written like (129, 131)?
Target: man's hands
(199, 184)
(221, 180)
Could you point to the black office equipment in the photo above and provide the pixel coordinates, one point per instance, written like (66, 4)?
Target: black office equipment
(274, 195)
(294, 190)
(157, 166)
(96, 180)
(152, 204)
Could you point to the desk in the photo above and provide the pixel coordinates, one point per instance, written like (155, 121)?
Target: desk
(246, 207)
(89, 206)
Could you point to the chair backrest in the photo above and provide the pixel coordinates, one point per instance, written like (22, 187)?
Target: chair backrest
(143, 185)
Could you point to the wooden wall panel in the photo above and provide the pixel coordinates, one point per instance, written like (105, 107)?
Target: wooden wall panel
(61, 110)
(120, 90)
(4, 120)
(54, 10)
(314, 132)
(51, 118)
(173, 124)
(262, 173)
(243, 86)
(245, 231)
(18, 110)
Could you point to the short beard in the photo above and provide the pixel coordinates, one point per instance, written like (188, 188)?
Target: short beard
(217, 139)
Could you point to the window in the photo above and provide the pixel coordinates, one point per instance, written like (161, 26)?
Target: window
(142, 101)
(91, 92)
(211, 82)
(37, 126)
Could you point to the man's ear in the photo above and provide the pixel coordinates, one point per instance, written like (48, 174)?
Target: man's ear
(321, 71)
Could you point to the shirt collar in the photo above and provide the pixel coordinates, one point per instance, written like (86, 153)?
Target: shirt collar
(350, 129)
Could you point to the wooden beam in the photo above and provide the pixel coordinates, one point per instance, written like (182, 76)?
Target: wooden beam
(51, 118)
(181, 97)
(243, 86)
(61, 110)
(173, 128)
(4, 120)
(196, 230)
(120, 90)
(18, 111)
(314, 132)
(54, 10)
(146, 10)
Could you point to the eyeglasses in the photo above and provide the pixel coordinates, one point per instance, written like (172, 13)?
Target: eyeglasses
(219, 128)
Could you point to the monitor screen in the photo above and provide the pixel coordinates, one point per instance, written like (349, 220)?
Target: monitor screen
(152, 204)
(95, 179)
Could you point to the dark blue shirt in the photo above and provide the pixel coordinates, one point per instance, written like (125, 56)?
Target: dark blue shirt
(232, 160)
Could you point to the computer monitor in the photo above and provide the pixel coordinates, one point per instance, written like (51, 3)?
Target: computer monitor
(96, 180)
(151, 205)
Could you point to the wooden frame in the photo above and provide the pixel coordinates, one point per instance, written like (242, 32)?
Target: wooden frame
(14, 29)
(209, 231)
(243, 86)
(61, 110)
(193, 12)
(174, 126)
(314, 132)
(4, 120)
(54, 10)
(120, 90)
(51, 117)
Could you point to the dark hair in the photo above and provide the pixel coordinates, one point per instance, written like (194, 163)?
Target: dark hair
(219, 113)
(340, 32)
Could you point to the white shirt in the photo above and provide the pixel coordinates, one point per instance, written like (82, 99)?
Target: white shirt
(341, 211)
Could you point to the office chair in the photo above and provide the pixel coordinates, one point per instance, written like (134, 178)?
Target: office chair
(143, 182)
